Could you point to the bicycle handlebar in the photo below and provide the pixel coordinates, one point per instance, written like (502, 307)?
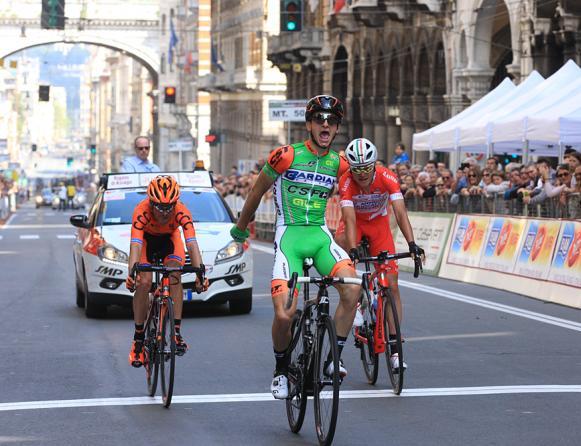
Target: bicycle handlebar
(144, 267)
(326, 281)
(385, 256)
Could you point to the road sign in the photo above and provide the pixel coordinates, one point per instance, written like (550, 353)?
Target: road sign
(293, 111)
(180, 145)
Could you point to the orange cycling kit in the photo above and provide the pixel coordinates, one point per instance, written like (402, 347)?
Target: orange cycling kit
(371, 210)
(164, 239)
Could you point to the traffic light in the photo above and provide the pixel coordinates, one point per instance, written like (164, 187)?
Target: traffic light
(44, 93)
(169, 95)
(212, 138)
(93, 149)
(291, 15)
(53, 14)
(70, 161)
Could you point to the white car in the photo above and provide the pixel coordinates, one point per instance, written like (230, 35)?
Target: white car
(101, 246)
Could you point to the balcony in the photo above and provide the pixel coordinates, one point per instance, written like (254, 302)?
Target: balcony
(296, 47)
(230, 80)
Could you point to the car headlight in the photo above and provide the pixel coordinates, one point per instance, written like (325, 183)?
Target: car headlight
(231, 251)
(109, 252)
(38, 199)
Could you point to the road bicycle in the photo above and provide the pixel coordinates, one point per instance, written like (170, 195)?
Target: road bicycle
(160, 338)
(380, 318)
(313, 347)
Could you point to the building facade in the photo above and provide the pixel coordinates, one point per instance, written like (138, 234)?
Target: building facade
(242, 81)
(403, 66)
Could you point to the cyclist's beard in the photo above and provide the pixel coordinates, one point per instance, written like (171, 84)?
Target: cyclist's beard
(325, 147)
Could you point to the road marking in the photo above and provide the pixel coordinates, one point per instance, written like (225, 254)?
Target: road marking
(460, 336)
(65, 236)
(571, 325)
(38, 226)
(1, 237)
(9, 221)
(267, 397)
(29, 237)
(564, 323)
(7, 252)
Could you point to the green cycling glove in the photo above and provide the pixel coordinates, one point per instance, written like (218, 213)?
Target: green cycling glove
(239, 235)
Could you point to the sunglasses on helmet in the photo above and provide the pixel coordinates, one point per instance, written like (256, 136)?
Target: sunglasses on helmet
(363, 169)
(163, 208)
(321, 117)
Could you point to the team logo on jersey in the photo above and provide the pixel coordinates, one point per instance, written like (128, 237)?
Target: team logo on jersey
(318, 179)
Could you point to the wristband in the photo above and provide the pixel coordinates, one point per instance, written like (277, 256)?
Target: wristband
(239, 235)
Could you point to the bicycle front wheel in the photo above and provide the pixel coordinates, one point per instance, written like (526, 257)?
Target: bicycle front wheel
(296, 403)
(151, 351)
(369, 359)
(326, 381)
(167, 356)
(395, 374)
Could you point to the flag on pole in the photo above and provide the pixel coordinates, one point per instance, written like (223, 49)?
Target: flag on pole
(338, 6)
(173, 41)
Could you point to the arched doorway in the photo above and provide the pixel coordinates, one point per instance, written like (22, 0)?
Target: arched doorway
(340, 73)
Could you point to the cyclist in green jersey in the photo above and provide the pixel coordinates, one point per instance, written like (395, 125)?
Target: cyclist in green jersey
(303, 176)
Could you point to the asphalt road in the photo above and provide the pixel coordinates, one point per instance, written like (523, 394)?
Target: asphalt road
(485, 367)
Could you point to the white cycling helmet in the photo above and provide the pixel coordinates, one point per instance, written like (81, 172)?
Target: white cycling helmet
(361, 152)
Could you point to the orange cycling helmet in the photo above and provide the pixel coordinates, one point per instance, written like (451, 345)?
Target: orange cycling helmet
(163, 189)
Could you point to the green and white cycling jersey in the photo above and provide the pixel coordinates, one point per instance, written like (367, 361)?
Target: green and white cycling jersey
(303, 183)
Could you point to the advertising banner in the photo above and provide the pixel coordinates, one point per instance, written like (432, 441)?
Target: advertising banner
(468, 240)
(431, 233)
(566, 267)
(537, 249)
(502, 244)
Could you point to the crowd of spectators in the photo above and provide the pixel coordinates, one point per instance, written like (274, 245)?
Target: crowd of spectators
(236, 184)
(494, 188)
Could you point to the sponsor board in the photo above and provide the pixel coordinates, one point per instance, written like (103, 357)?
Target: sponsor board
(502, 244)
(536, 253)
(566, 266)
(431, 234)
(468, 240)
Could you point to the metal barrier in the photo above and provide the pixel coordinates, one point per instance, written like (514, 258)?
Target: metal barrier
(570, 208)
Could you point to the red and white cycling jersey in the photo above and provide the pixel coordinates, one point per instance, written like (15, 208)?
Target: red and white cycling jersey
(372, 204)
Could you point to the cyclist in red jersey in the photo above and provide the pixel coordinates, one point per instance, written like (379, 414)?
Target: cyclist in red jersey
(365, 192)
(155, 229)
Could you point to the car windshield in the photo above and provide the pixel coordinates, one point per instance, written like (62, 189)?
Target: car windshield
(205, 206)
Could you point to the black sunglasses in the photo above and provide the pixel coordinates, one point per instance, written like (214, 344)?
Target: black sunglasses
(143, 148)
(564, 174)
(163, 208)
(331, 119)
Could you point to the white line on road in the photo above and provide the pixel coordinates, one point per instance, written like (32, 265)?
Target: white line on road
(65, 236)
(564, 323)
(460, 336)
(29, 237)
(7, 252)
(571, 325)
(266, 397)
(38, 226)
(1, 237)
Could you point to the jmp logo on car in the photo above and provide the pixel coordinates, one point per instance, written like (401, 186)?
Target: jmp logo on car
(109, 271)
(237, 268)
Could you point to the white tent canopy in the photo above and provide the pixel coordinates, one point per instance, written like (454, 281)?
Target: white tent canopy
(507, 124)
(539, 115)
(423, 141)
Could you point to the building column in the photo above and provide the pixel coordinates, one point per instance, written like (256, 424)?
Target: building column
(392, 138)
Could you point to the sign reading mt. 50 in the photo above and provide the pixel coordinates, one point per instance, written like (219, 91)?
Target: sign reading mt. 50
(287, 110)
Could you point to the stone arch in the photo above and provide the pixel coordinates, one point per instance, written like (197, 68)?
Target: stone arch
(340, 73)
(394, 78)
(439, 71)
(368, 78)
(492, 40)
(407, 73)
(381, 75)
(422, 78)
(462, 51)
(148, 60)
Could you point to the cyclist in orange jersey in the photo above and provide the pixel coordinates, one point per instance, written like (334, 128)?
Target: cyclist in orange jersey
(155, 229)
(365, 192)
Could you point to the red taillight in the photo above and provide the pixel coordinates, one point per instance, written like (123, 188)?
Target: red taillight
(245, 245)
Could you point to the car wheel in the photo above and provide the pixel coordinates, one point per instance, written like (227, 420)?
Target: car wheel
(92, 309)
(242, 303)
